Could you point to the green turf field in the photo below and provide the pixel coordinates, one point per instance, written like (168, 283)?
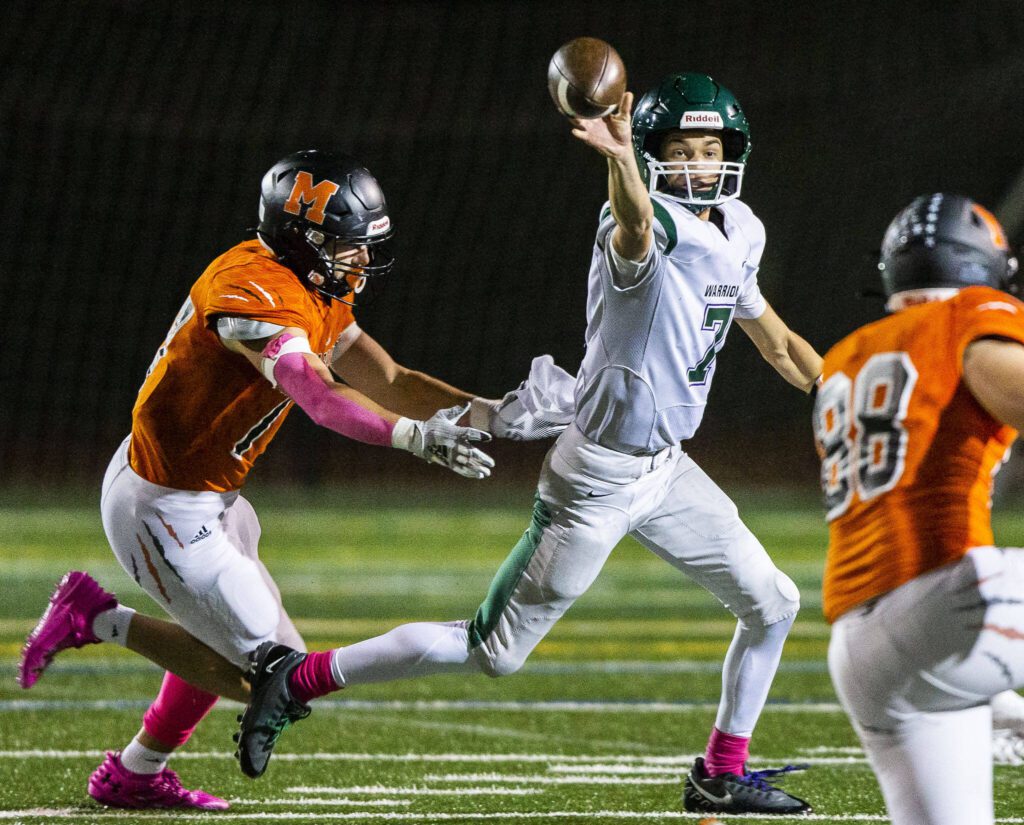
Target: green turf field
(598, 727)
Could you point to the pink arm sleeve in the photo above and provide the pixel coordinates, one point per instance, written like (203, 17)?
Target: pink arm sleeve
(328, 409)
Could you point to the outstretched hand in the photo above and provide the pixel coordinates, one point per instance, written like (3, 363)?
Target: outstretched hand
(440, 440)
(610, 135)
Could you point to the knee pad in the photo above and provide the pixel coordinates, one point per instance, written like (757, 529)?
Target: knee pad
(496, 659)
(780, 603)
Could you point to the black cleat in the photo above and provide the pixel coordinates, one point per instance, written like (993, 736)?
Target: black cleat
(730, 793)
(271, 709)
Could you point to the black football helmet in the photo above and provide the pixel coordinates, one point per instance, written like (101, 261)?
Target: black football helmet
(315, 204)
(945, 241)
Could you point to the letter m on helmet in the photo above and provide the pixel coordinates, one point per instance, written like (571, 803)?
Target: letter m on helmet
(303, 191)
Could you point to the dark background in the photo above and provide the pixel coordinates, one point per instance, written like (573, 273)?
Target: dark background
(133, 136)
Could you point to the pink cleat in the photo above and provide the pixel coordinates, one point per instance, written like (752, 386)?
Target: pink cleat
(66, 623)
(114, 785)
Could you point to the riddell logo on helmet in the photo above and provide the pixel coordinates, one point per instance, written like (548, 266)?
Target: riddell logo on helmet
(378, 226)
(693, 120)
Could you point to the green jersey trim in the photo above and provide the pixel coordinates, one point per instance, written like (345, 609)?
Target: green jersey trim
(662, 216)
(667, 224)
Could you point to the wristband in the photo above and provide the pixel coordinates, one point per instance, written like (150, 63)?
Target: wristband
(403, 436)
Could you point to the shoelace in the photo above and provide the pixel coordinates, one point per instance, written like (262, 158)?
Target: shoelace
(759, 779)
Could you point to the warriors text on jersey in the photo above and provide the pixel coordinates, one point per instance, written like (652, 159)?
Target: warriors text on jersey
(908, 454)
(204, 413)
(651, 346)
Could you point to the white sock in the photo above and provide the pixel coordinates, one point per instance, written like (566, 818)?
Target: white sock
(417, 649)
(112, 625)
(137, 758)
(747, 674)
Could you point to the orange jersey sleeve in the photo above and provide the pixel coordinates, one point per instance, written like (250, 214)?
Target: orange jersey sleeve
(204, 413)
(908, 455)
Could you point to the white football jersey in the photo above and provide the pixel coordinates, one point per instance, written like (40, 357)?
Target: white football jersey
(651, 346)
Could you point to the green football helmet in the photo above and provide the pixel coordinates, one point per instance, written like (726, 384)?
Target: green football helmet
(691, 101)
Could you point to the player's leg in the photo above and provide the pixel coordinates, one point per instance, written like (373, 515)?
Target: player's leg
(555, 561)
(697, 529)
(548, 569)
(915, 670)
(195, 554)
(936, 768)
(181, 705)
(173, 648)
(80, 612)
(933, 768)
(242, 526)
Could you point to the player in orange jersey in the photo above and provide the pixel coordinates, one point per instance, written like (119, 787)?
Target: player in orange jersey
(914, 415)
(262, 330)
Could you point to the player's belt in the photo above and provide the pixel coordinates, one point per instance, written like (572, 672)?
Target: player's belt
(580, 452)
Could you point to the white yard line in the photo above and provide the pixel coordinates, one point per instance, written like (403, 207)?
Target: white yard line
(829, 749)
(658, 666)
(21, 705)
(395, 721)
(491, 790)
(541, 779)
(109, 666)
(680, 761)
(669, 770)
(319, 801)
(322, 816)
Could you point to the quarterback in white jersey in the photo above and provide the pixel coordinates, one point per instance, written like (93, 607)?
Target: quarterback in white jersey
(653, 330)
(675, 260)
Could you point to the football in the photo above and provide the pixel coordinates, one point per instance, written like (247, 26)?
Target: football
(586, 78)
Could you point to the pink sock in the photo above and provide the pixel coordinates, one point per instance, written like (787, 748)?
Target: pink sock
(177, 710)
(313, 678)
(726, 753)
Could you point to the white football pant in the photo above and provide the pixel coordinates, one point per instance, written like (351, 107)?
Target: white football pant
(195, 553)
(588, 498)
(915, 670)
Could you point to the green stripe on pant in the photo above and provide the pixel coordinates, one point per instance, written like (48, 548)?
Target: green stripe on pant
(508, 575)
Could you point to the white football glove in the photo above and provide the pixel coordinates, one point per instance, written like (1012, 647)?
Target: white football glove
(1007, 747)
(1008, 728)
(438, 440)
(541, 407)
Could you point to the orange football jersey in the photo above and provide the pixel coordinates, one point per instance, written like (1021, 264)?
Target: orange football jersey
(908, 455)
(204, 413)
